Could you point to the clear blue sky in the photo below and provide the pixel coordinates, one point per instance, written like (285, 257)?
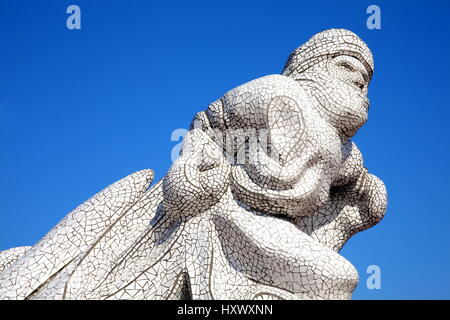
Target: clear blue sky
(81, 109)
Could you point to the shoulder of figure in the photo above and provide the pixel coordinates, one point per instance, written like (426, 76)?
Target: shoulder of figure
(266, 87)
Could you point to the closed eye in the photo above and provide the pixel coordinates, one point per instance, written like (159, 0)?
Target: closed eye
(346, 66)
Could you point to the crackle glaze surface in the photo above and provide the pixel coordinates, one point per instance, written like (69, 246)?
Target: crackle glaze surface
(267, 189)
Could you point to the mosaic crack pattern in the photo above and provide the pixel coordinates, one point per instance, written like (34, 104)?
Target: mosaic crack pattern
(267, 189)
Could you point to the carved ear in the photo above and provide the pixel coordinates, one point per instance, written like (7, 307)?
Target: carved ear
(286, 125)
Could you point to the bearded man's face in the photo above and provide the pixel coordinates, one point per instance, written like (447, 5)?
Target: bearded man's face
(339, 87)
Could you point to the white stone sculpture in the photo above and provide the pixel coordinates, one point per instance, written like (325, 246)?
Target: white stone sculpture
(266, 191)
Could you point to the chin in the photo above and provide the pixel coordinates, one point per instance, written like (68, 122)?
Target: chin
(354, 120)
(355, 113)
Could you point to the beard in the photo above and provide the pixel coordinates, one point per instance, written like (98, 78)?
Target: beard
(341, 104)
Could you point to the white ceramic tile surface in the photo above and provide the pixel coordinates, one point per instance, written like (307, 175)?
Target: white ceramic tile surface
(267, 189)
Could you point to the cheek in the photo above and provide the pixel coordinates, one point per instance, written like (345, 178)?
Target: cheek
(334, 97)
(341, 100)
(350, 102)
(344, 104)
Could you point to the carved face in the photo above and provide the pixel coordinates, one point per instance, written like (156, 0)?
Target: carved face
(339, 87)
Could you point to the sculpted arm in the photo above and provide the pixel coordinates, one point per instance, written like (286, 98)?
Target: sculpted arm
(267, 128)
(357, 202)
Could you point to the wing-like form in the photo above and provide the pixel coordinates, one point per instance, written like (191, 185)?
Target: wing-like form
(126, 204)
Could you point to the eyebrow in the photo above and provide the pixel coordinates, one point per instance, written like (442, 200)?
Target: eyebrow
(364, 72)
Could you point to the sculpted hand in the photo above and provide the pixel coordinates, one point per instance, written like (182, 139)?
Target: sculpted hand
(357, 202)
